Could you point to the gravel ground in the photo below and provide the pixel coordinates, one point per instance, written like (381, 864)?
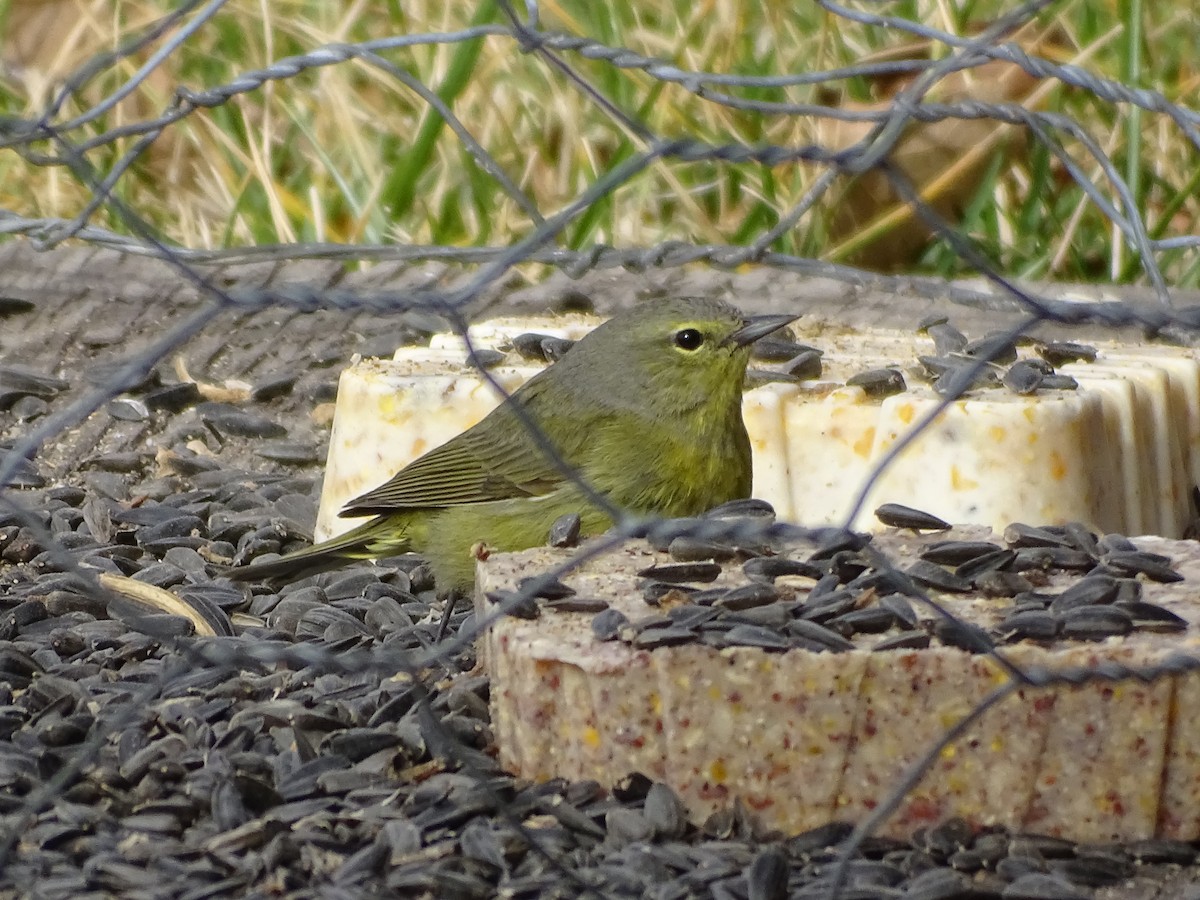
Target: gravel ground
(288, 758)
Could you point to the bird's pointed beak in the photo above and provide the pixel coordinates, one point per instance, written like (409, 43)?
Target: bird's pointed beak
(757, 327)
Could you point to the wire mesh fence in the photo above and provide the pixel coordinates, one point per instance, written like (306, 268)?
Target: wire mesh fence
(335, 741)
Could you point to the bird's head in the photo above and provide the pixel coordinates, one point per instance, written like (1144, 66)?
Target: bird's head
(682, 353)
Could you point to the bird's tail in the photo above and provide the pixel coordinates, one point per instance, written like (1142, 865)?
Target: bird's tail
(382, 536)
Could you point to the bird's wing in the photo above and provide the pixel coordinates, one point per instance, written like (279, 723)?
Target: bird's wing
(496, 460)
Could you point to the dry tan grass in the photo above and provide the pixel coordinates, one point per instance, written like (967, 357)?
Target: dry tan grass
(346, 153)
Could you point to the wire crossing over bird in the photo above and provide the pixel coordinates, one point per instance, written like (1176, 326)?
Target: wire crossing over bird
(646, 409)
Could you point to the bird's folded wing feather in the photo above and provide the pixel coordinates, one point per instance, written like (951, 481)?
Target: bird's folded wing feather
(500, 461)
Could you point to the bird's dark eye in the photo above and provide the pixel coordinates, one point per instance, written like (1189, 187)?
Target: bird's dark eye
(688, 339)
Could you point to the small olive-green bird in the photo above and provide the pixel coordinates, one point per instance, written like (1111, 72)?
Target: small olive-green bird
(646, 409)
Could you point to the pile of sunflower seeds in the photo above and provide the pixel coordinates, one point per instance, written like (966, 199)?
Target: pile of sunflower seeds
(136, 757)
(128, 766)
(285, 756)
(852, 596)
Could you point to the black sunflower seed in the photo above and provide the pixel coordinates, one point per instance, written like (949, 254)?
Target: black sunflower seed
(937, 883)
(878, 382)
(897, 515)
(485, 358)
(1018, 534)
(1059, 382)
(545, 587)
(1095, 623)
(294, 453)
(25, 476)
(884, 581)
(870, 620)
(967, 376)
(934, 576)
(963, 635)
(665, 811)
(747, 596)
(756, 378)
(173, 397)
(11, 306)
(1116, 543)
(1059, 353)
(713, 634)
(229, 420)
(995, 348)
(1042, 846)
(756, 636)
(805, 365)
(749, 508)
(824, 607)
(768, 568)
(993, 845)
(847, 565)
(1022, 378)
(898, 606)
(689, 615)
(1032, 625)
(606, 626)
(945, 838)
(577, 605)
(679, 572)
(690, 549)
(665, 636)
(843, 541)
(529, 345)
(1027, 882)
(1082, 538)
(1012, 868)
(946, 339)
(987, 563)
(1154, 566)
(655, 620)
(1040, 364)
(1128, 590)
(706, 597)
(553, 348)
(775, 616)
(1162, 850)
(272, 387)
(905, 640)
(823, 637)
(565, 530)
(127, 409)
(1033, 600)
(1046, 558)
(953, 553)
(1002, 584)
(776, 350)
(1091, 591)
(813, 842)
(826, 584)
(968, 861)
(20, 380)
(767, 878)
(1151, 617)
(937, 366)
(1094, 869)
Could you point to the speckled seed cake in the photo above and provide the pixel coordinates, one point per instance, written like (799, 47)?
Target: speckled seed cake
(1051, 433)
(771, 681)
